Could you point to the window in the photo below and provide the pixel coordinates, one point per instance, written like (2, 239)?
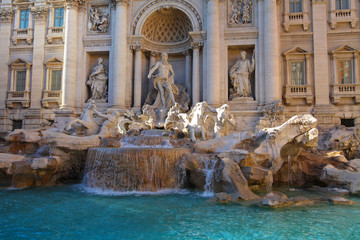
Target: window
(295, 6)
(17, 124)
(297, 73)
(55, 84)
(59, 17)
(345, 72)
(20, 81)
(342, 4)
(348, 122)
(24, 19)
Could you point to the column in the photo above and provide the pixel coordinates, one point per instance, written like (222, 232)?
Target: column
(196, 73)
(187, 71)
(40, 13)
(213, 53)
(5, 33)
(321, 66)
(151, 63)
(120, 54)
(69, 74)
(271, 52)
(137, 76)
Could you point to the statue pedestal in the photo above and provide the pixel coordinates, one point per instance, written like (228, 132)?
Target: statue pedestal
(243, 104)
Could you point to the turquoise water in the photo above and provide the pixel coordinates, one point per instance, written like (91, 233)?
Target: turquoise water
(70, 212)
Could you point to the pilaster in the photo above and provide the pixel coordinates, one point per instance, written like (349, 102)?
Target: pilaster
(321, 58)
(213, 52)
(5, 33)
(40, 14)
(271, 52)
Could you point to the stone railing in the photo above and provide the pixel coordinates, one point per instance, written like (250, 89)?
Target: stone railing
(296, 16)
(55, 33)
(343, 15)
(21, 97)
(299, 18)
(339, 91)
(298, 92)
(50, 96)
(25, 35)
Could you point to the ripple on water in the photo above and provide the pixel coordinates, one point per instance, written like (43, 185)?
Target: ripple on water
(74, 212)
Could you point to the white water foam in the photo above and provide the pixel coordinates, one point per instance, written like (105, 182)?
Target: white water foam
(165, 144)
(106, 192)
(209, 172)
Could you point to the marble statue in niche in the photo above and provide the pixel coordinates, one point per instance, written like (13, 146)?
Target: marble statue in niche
(240, 76)
(98, 20)
(165, 87)
(98, 82)
(164, 81)
(239, 12)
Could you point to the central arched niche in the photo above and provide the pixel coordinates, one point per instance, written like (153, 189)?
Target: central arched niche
(167, 25)
(167, 30)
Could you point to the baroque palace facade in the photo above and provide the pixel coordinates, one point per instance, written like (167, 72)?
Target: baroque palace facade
(247, 53)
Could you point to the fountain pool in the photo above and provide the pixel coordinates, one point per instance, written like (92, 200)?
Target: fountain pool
(75, 212)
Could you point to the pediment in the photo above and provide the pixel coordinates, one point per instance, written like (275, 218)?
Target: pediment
(21, 1)
(345, 49)
(18, 62)
(54, 60)
(296, 50)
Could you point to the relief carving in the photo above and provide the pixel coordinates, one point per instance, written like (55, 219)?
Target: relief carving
(98, 20)
(40, 12)
(239, 12)
(6, 14)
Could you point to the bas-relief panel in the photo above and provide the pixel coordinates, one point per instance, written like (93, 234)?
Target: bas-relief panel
(239, 12)
(98, 19)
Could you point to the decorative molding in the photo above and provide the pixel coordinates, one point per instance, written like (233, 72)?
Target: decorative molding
(151, 4)
(40, 12)
(6, 14)
(74, 3)
(120, 2)
(197, 45)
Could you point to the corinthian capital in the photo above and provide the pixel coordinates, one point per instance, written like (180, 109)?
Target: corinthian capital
(120, 2)
(40, 12)
(6, 14)
(74, 3)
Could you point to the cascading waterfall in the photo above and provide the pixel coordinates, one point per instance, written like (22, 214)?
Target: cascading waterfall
(209, 172)
(142, 168)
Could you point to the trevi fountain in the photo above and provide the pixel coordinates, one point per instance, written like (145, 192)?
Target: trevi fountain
(167, 171)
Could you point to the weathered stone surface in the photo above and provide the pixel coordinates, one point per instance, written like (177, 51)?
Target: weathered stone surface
(277, 200)
(223, 144)
(294, 135)
(19, 171)
(340, 138)
(234, 182)
(223, 197)
(349, 178)
(307, 167)
(342, 201)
